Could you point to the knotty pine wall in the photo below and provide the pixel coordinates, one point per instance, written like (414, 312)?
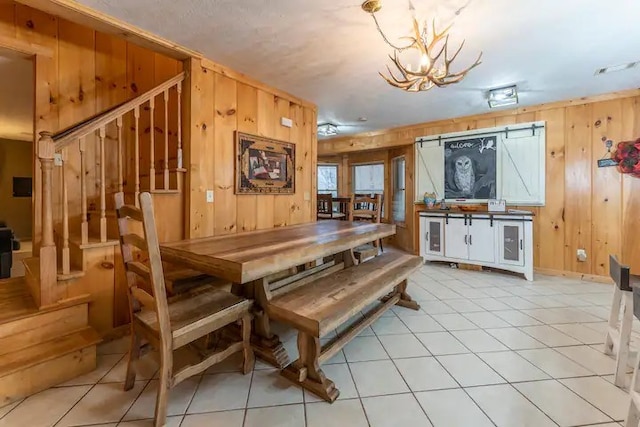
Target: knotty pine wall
(222, 104)
(88, 72)
(597, 209)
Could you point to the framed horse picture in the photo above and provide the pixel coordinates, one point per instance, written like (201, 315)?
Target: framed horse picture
(264, 165)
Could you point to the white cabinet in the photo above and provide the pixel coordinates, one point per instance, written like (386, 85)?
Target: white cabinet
(432, 236)
(498, 240)
(511, 247)
(482, 239)
(456, 238)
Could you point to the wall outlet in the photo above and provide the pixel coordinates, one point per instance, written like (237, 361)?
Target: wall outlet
(581, 254)
(209, 196)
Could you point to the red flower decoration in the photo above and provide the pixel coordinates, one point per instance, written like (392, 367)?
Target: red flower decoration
(628, 157)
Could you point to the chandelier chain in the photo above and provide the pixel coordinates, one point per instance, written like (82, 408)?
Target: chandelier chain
(384, 37)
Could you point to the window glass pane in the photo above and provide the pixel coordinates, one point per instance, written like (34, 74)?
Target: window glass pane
(398, 206)
(369, 178)
(328, 179)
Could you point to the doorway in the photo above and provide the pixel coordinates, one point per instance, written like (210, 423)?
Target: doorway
(16, 161)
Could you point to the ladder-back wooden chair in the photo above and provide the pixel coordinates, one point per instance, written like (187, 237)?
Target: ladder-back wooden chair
(168, 324)
(325, 208)
(618, 336)
(366, 208)
(633, 415)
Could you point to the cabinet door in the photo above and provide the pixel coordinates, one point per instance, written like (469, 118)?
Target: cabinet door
(455, 238)
(482, 237)
(434, 234)
(511, 243)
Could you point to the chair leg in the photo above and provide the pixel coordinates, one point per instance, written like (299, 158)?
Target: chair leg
(624, 339)
(134, 355)
(613, 320)
(164, 384)
(247, 351)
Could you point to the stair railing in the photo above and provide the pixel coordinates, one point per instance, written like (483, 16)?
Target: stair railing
(55, 150)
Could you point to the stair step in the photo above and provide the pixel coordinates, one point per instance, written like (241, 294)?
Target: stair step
(163, 191)
(47, 350)
(32, 272)
(93, 242)
(46, 364)
(15, 299)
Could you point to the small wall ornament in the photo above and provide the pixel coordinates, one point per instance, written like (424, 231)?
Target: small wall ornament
(628, 157)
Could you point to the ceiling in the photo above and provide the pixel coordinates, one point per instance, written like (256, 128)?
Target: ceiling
(16, 102)
(329, 52)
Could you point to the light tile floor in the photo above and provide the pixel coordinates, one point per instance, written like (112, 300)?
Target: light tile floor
(486, 349)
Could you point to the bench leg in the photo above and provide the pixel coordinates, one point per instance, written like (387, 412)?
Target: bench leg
(306, 370)
(613, 321)
(405, 300)
(249, 359)
(266, 345)
(622, 356)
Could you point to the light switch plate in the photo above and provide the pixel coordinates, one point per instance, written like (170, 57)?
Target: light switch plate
(286, 122)
(307, 196)
(209, 196)
(57, 159)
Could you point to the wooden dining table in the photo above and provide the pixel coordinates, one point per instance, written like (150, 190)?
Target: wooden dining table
(253, 262)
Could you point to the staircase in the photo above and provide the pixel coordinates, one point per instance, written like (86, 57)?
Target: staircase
(74, 288)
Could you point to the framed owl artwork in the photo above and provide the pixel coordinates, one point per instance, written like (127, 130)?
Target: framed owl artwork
(470, 169)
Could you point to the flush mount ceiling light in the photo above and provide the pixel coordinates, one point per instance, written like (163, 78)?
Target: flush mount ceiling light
(503, 96)
(327, 129)
(426, 44)
(613, 68)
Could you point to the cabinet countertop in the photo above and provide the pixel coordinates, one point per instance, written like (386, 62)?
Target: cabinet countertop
(478, 212)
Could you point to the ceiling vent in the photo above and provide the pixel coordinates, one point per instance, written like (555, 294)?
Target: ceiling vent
(615, 68)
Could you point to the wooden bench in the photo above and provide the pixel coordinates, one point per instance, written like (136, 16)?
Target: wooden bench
(321, 305)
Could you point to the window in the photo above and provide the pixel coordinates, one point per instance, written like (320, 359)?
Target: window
(369, 179)
(398, 194)
(328, 179)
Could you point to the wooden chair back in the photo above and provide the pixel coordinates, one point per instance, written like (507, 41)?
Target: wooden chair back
(153, 274)
(619, 273)
(325, 204)
(366, 208)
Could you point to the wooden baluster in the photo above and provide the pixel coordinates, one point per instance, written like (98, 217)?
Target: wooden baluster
(120, 176)
(179, 89)
(166, 139)
(46, 295)
(136, 115)
(84, 226)
(152, 146)
(66, 261)
(103, 197)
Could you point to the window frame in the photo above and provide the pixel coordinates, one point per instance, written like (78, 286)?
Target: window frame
(393, 162)
(337, 168)
(384, 179)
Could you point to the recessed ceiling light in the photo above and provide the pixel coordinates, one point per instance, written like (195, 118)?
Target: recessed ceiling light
(614, 68)
(362, 119)
(503, 96)
(327, 129)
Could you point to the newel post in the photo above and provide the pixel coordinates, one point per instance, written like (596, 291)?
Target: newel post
(48, 260)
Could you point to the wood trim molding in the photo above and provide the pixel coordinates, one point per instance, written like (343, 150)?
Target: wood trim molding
(24, 48)
(80, 14)
(235, 75)
(573, 275)
(402, 133)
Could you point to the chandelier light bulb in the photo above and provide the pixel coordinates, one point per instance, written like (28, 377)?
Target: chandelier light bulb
(424, 61)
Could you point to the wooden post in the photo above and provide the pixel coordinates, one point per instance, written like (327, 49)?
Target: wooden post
(103, 197)
(166, 139)
(136, 115)
(152, 146)
(179, 89)
(66, 261)
(48, 259)
(84, 226)
(120, 176)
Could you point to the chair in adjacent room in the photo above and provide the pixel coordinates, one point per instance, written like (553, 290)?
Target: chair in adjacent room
(181, 322)
(325, 208)
(369, 209)
(618, 336)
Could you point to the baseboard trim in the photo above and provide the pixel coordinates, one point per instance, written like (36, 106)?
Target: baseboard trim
(573, 275)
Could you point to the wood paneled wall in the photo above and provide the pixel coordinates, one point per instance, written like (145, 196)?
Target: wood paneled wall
(220, 105)
(88, 72)
(596, 209)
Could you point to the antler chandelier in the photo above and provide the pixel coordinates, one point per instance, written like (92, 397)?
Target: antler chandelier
(433, 69)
